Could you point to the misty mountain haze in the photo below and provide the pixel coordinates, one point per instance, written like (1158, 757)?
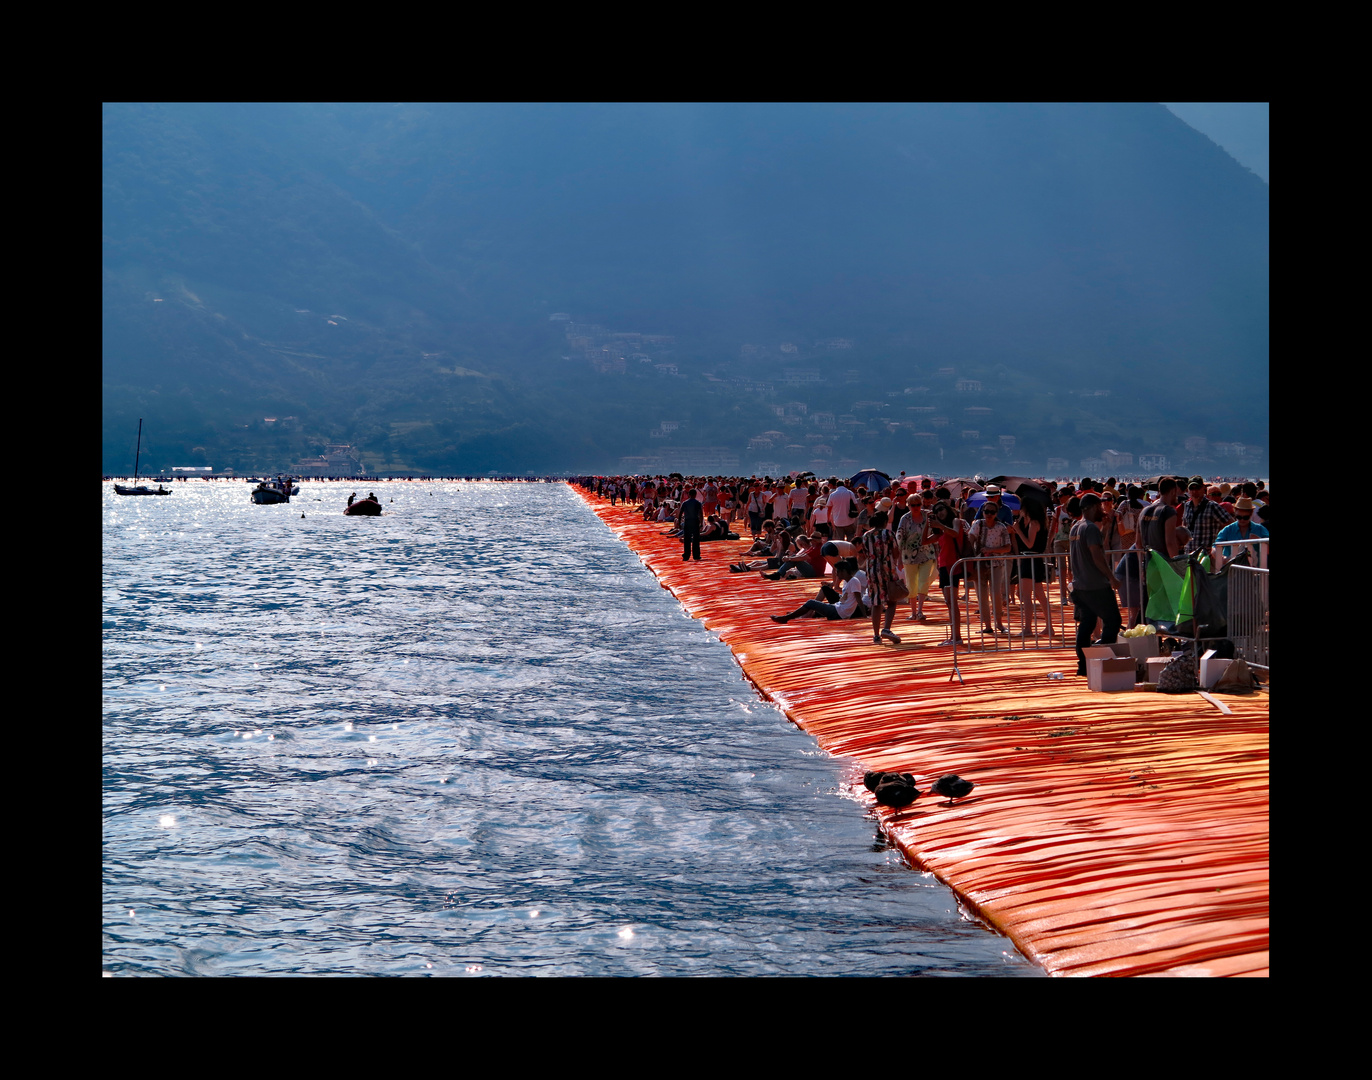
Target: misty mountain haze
(458, 288)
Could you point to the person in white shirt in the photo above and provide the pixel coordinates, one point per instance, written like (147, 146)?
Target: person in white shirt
(831, 605)
(820, 514)
(842, 512)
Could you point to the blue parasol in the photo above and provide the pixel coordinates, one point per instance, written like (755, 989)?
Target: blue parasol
(871, 479)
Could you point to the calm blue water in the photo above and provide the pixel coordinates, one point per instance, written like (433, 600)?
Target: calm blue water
(472, 736)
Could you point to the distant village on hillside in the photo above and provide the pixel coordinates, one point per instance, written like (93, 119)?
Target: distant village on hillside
(945, 419)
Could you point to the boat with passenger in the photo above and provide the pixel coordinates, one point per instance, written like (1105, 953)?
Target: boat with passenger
(368, 507)
(278, 490)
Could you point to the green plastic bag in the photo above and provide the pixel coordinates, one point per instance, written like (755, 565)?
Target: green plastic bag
(1164, 590)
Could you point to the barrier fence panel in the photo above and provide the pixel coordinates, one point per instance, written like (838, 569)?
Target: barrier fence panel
(1011, 602)
(1248, 614)
(1024, 601)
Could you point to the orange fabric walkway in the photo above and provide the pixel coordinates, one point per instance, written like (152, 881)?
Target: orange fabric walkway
(1109, 834)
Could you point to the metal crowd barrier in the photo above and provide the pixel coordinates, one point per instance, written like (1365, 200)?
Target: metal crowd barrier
(1005, 601)
(1255, 546)
(1248, 615)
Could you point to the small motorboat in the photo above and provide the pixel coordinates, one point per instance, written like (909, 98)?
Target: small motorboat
(368, 507)
(272, 491)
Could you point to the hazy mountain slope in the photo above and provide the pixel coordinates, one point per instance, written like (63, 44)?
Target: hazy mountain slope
(385, 273)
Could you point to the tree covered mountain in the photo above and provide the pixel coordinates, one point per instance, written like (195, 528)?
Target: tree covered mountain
(386, 276)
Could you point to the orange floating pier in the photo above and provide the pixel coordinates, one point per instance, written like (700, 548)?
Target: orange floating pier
(1108, 834)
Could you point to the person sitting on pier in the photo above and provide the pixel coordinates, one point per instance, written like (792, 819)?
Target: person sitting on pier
(764, 544)
(808, 562)
(831, 604)
(714, 529)
(782, 547)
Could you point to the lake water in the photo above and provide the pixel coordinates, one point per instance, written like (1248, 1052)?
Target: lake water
(472, 736)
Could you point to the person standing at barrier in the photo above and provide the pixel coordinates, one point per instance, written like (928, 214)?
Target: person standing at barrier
(1244, 528)
(919, 552)
(1158, 523)
(990, 537)
(951, 530)
(692, 516)
(1031, 526)
(1202, 517)
(1060, 524)
(1093, 582)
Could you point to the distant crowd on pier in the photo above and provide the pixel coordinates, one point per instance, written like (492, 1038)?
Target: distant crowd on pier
(877, 543)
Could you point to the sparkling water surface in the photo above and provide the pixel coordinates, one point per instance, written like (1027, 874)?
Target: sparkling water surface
(472, 736)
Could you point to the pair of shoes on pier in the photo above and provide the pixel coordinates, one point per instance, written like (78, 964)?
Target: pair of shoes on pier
(887, 635)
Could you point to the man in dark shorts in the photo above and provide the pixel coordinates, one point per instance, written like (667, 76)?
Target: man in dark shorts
(1093, 582)
(692, 516)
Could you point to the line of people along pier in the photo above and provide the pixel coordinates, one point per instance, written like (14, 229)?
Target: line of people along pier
(980, 558)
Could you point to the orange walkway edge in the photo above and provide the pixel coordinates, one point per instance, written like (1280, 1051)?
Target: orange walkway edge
(1108, 834)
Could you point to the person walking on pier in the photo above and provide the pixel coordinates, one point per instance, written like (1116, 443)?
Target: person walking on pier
(885, 573)
(692, 516)
(1093, 582)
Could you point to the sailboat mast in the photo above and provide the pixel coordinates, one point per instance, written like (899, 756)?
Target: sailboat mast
(138, 451)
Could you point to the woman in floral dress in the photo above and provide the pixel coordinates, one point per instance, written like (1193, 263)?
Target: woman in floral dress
(884, 570)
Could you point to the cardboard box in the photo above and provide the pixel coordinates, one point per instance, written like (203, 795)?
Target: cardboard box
(1211, 668)
(1141, 648)
(1111, 675)
(1155, 664)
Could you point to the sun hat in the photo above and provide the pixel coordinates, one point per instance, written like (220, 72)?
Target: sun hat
(992, 489)
(823, 500)
(885, 504)
(1243, 502)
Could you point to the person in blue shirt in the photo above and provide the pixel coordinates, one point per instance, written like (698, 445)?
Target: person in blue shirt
(1242, 528)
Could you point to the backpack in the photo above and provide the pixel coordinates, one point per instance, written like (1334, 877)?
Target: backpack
(1179, 676)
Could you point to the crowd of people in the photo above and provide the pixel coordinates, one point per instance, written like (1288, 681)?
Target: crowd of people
(874, 551)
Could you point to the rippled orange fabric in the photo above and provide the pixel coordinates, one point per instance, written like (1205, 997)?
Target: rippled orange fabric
(1108, 834)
